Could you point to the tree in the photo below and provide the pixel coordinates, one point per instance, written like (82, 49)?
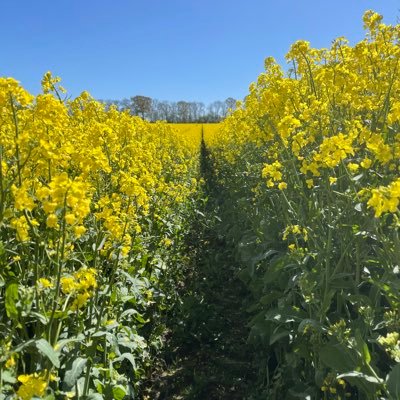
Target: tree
(141, 105)
(230, 104)
(164, 111)
(183, 111)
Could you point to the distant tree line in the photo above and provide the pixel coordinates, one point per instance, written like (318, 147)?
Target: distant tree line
(174, 111)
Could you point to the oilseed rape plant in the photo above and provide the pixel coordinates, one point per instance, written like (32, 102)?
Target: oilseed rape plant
(310, 164)
(98, 209)
(94, 209)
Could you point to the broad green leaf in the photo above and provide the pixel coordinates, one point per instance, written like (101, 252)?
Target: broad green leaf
(95, 396)
(127, 356)
(119, 392)
(393, 382)
(279, 334)
(360, 375)
(63, 342)
(42, 318)
(72, 375)
(338, 357)
(365, 383)
(47, 350)
(11, 300)
(8, 377)
(270, 297)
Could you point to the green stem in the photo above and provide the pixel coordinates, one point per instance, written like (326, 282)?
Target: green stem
(59, 261)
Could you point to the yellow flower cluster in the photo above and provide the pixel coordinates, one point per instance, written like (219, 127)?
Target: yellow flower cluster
(391, 343)
(83, 184)
(335, 114)
(80, 285)
(272, 172)
(60, 158)
(326, 134)
(32, 385)
(210, 133)
(333, 386)
(385, 198)
(295, 230)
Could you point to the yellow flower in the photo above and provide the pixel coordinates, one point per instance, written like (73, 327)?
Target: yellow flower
(80, 301)
(20, 224)
(272, 171)
(32, 385)
(45, 283)
(52, 221)
(282, 185)
(353, 167)
(49, 207)
(385, 198)
(310, 183)
(86, 278)
(68, 284)
(10, 362)
(70, 218)
(366, 163)
(23, 201)
(391, 339)
(167, 242)
(79, 231)
(332, 180)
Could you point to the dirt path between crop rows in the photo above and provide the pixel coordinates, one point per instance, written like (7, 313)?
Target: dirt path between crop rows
(207, 356)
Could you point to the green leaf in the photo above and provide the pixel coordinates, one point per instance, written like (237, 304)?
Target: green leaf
(58, 314)
(95, 396)
(270, 297)
(8, 377)
(72, 375)
(100, 334)
(360, 375)
(326, 304)
(45, 348)
(23, 346)
(309, 323)
(119, 392)
(279, 334)
(393, 382)
(11, 300)
(42, 318)
(338, 357)
(49, 397)
(63, 342)
(127, 356)
(362, 347)
(365, 383)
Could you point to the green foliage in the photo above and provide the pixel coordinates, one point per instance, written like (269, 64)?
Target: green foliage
(321, 316)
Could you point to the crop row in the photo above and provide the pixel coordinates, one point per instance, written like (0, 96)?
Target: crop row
(309, 163)
(95, 206)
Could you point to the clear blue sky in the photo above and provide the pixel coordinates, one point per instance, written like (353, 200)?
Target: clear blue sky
(168, 49)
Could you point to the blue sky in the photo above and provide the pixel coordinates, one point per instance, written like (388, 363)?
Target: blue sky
(201, 50)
